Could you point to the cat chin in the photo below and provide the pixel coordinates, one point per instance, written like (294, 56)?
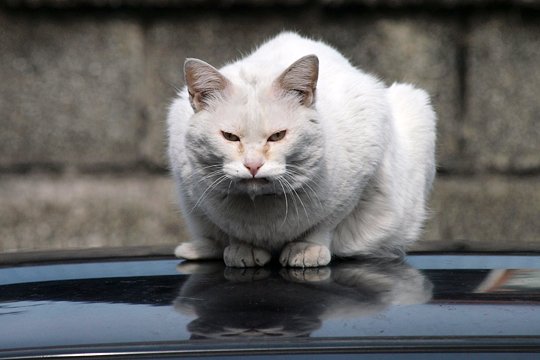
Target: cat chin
(255, 182)
(255, 187)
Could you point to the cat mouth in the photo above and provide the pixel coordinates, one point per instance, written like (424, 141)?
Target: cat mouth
(255, 181)
(254, 187)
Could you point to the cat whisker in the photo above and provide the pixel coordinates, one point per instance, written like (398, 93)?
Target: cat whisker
(293, 169)
(301, 170)
(286, 202)
(212, 174)
(295, 208)
(209, 188)
(229, 187)
(317, 202)
(208, 176)
(288, 186)
(306, 184)
(298, 196)
(201, 170)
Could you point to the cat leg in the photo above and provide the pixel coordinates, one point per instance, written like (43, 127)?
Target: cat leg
(312, 252)
(206, 240)
(242, 255)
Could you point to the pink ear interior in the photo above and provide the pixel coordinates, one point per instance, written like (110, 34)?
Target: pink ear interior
(204, 82)
(300, 79)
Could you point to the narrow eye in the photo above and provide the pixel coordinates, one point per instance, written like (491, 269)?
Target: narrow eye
(230, 136)
(277, 136)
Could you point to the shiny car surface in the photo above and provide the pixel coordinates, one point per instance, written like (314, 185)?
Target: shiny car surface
(427, 306)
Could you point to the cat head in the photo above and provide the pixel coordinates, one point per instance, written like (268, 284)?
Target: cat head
(251, 133)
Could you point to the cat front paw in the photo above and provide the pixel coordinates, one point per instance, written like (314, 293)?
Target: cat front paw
(303, 254)
(194, 250)
(243, 255)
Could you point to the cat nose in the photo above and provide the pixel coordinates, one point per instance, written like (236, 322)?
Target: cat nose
(253, 166)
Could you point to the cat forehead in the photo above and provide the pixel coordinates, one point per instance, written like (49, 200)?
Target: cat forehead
(253, 112)
(248, 78)
(252, 96)
(253, 101)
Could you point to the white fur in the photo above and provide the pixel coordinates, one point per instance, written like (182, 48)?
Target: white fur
(355, 180)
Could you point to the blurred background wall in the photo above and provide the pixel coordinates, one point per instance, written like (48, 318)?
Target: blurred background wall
(85, 85)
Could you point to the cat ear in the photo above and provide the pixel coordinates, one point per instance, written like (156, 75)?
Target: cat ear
(301, 79)
(204, 83)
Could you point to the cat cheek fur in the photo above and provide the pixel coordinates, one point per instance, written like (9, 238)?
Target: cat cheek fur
(359, 160)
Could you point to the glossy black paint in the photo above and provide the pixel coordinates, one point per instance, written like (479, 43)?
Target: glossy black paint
(163, 307)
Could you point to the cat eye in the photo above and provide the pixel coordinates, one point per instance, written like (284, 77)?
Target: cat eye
(277, 136)
(230, 136)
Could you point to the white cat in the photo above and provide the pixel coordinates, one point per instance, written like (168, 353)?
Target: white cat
(294, 151)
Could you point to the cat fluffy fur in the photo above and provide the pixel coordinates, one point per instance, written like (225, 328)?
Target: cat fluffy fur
(361, 162)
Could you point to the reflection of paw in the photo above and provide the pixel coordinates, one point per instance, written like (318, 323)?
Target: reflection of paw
(197, 251)
(242, 255)
(246, 274)
(193, 267)
(306, 275)
(303, 254)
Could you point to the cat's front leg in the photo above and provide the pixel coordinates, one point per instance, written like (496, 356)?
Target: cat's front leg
(242, 255)
(207, 241)
(199, 249)
(313, 251)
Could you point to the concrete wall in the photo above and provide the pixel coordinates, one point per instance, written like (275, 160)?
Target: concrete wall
(85, 84)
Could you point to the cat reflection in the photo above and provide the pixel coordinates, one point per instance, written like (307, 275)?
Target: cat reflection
(289, 302)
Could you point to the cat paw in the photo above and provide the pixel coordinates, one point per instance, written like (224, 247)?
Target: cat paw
(241, 256)
(197, 251)
(303, 254)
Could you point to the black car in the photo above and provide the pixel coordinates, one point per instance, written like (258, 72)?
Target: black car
(427, 306)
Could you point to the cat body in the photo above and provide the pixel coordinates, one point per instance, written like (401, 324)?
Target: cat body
(292, 150)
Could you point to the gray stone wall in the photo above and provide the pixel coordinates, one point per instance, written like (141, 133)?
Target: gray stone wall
(85, 86)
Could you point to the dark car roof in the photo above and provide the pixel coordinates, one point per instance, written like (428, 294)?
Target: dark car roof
(155, 306)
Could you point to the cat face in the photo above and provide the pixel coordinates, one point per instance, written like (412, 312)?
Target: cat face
(254, 138)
